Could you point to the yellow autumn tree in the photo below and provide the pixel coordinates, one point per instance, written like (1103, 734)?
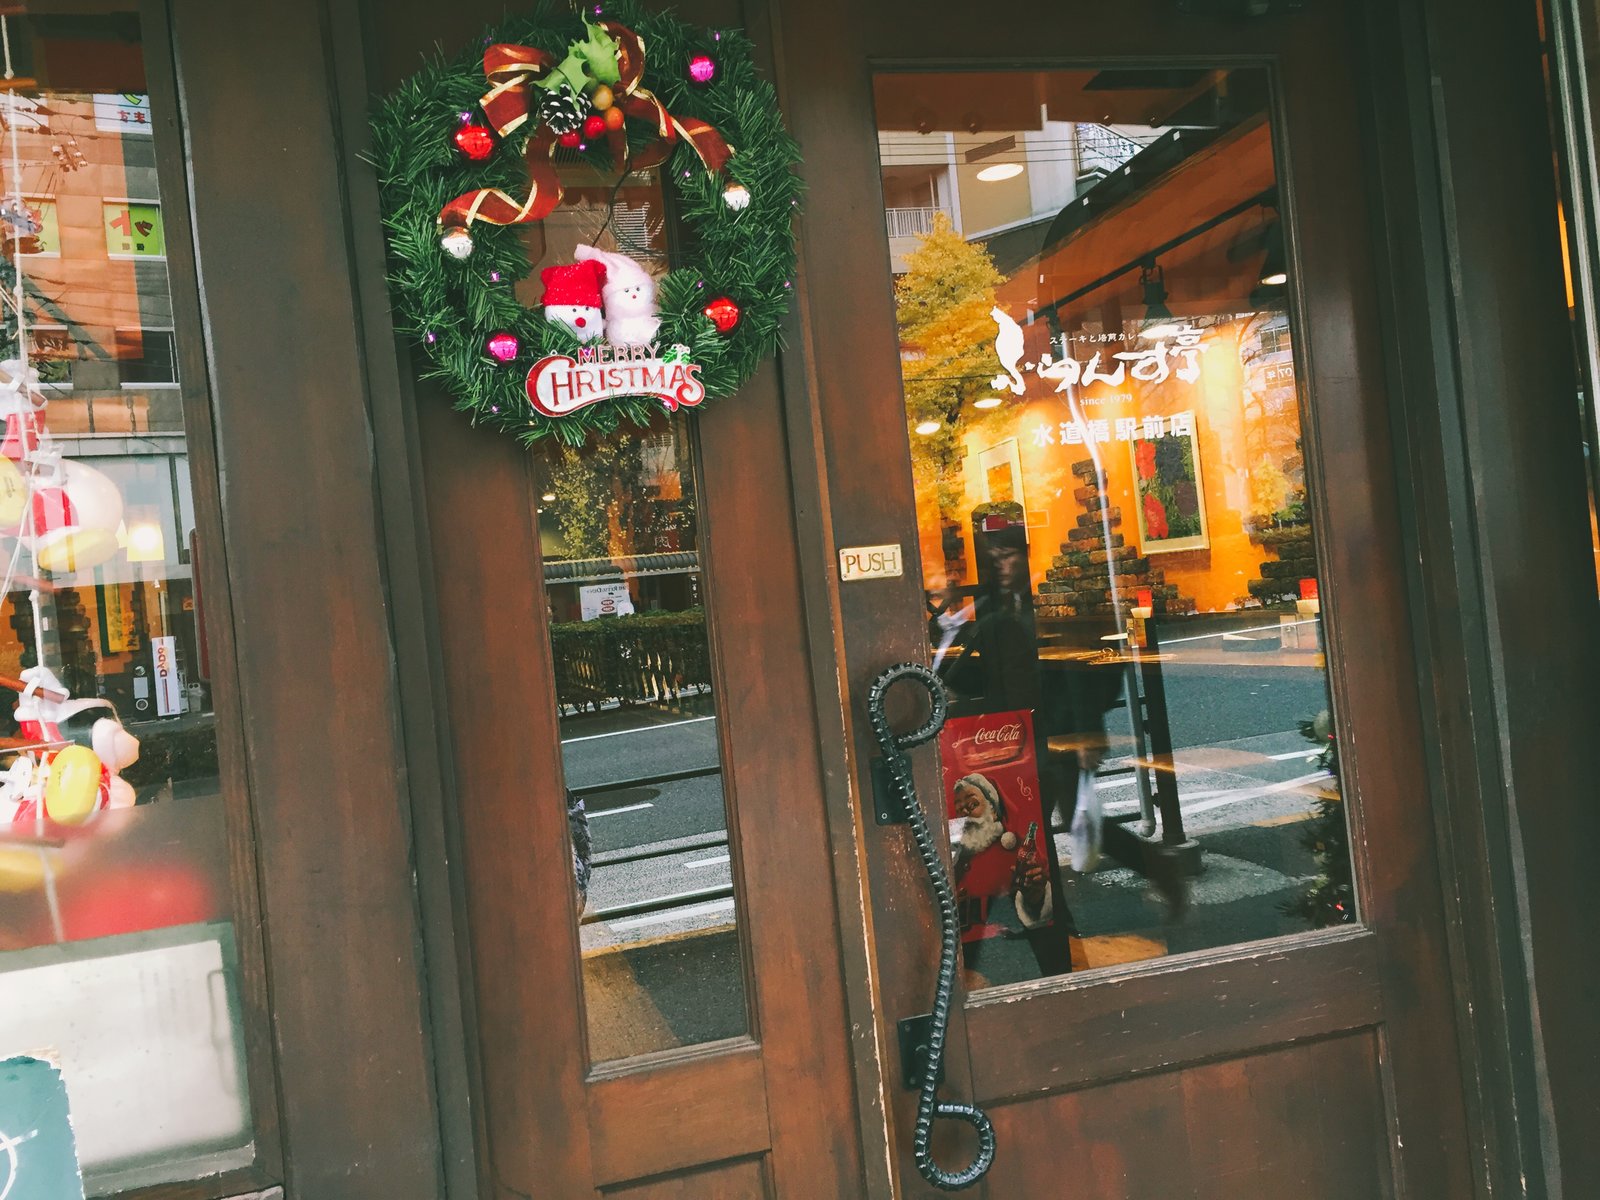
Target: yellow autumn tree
(942, 306)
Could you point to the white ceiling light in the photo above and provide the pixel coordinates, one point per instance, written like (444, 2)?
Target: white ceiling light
(988, 402)
(1006, 170)
(929, 427)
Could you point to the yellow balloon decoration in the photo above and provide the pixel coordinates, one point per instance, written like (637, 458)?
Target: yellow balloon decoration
(13, 493)
(77, 549)
(73, 788)
(21, 870)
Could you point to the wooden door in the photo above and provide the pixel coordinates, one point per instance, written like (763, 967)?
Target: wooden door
(1176, 234)
(677, 1027)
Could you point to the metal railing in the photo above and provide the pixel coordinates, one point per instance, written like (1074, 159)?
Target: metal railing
(911, 222)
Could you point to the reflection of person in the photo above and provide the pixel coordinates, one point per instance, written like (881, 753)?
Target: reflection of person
(1000, 671)
(949, 621)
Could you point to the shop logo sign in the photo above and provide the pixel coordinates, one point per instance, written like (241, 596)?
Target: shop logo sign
(1175, 350)
(559, 384)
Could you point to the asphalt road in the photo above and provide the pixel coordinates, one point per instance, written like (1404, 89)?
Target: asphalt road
(660, 976)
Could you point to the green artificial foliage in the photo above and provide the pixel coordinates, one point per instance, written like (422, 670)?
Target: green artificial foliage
(1329, 898)
(745, 254)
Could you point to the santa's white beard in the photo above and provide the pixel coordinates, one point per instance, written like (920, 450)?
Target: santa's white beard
(971, 836)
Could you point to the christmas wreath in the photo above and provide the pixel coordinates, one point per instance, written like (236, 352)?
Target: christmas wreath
(469, 148)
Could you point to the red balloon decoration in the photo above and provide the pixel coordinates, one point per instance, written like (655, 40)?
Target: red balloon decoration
(723, 313)
(502, 346)
(476, 142)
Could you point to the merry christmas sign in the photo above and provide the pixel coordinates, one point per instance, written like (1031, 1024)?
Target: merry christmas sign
(559, 385)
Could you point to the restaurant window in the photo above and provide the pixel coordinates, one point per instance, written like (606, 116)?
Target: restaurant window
(120, 969)
(1118, 533)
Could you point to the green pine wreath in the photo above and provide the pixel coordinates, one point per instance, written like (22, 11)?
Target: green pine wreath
(450, 307)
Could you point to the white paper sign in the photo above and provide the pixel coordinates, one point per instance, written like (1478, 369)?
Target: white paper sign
(169, 695)
(147, 1039)
(605, 600)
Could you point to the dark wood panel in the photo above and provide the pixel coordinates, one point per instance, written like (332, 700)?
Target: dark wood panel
(306, 582)
(778, 829)
(1064, 1034)
(1304, 1122)
(1510, 495)
(172, 167)
(737, 1181)
(516, 862)
(667, 1118)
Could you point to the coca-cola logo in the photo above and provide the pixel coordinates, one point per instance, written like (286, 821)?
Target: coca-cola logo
(991, 744)
(1003, 735)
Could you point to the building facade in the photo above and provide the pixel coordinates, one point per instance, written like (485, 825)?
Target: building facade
(1201, 391)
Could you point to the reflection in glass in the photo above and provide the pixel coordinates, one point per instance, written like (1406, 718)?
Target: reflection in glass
(1115, 533)
(115, 896)
(622, 563)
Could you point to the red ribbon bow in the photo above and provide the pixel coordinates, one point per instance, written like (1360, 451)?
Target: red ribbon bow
(513, 71)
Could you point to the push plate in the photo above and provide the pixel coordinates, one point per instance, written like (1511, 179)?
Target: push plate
(870, 562)
(914, 1052)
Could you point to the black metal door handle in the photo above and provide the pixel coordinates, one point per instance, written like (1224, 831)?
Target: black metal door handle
(929, 1106)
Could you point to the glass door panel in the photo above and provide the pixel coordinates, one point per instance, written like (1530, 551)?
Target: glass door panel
(1117, 544)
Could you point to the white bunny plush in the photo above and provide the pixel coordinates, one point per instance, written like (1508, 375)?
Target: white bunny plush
(630, 296)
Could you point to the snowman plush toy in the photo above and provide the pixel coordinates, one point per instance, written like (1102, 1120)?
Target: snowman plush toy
(630, 297)
(572, 298)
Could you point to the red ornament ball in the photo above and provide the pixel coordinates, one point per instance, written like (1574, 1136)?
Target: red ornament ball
(474, 141)
(702, 68)
(502, 346)
(571, 139)
(723, 313)
(593, 125)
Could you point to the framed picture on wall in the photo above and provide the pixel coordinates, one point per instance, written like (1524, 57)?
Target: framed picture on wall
(1172, 497)
(1000, 473)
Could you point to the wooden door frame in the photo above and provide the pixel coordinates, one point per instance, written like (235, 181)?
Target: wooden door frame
(312, 758)
(1463, 163)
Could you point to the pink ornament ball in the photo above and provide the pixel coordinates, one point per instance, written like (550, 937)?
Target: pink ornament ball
(503, 346)
(702, 68)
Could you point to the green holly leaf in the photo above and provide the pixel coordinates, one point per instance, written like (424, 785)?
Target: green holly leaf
(599, 51)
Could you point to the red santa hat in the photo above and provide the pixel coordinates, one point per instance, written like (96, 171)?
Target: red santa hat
(578, 284)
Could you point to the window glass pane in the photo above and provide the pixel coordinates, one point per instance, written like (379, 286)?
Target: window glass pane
(115, 895)
(623, 562)
(1116, 529)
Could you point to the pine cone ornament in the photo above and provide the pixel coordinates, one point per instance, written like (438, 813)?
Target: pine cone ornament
(562, 109)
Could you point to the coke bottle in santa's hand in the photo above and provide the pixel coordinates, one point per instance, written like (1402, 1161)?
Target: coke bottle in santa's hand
(1030, 874)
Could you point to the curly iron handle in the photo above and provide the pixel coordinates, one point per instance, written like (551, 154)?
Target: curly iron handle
(929, 1106)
